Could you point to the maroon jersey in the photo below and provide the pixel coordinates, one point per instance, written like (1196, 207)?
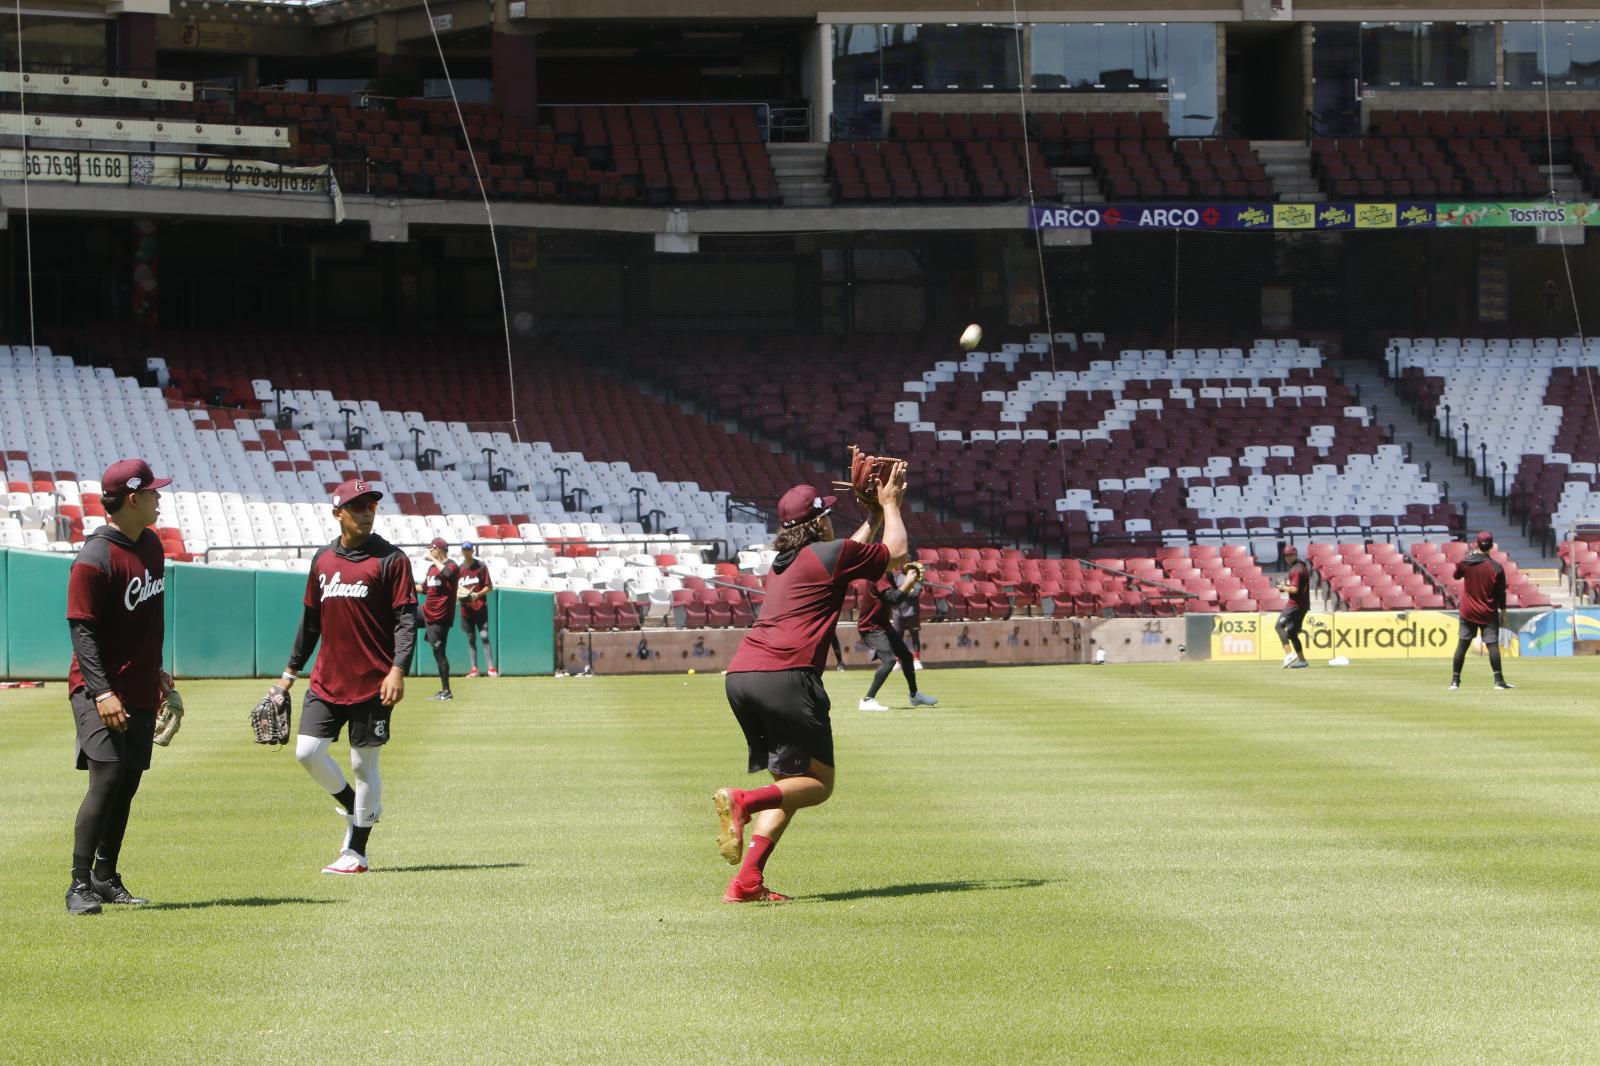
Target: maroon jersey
(1483, 589)
(474, 576)
(117, 587)
(440, 585)
(359, 594)
(805, 591)
(1299, 582)
(874, 608)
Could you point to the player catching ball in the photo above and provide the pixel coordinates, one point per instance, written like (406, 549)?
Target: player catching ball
(774, 682)
(361, 605)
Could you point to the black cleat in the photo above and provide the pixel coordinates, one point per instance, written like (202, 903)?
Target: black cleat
(113, 891)
(1502, 683)
(443, 694)
(81, 899)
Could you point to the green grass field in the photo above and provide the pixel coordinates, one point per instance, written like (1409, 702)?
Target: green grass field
(1160, 863)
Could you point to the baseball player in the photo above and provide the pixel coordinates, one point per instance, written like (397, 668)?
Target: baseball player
(472, 592)
(1483, 598)
(774, 682)
(1296, 585)
(878, 634)
(361, 604)
(115, 596)
(439, 609)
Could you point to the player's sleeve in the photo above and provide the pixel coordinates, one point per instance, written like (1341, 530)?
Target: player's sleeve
(1500, 589)
(862, 562)
(405, 615)
(306, 637)
(486, 584)
(1459, 572)
(87, 587)
(313, 596)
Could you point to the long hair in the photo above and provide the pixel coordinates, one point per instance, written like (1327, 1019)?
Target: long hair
(797, 537)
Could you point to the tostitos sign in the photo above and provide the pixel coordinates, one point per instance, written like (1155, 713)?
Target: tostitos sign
(1326, 635)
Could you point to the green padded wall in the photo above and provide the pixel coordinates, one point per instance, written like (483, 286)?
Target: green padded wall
(38, 644)
(279, 597)
(5, 650)
(525, 633)
(212, 629)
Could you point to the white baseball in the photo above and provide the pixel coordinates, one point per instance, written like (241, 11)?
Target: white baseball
(971, 337)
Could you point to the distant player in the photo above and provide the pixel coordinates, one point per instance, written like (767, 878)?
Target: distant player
(1483, 597)
(472, 592)
(1292, 619)
(774, 682)
(907, 616)
(878, 633)
(361, 604)
(115, 598)
(439, 609)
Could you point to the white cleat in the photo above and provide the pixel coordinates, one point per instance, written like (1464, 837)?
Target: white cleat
(870, 704)
(1299, 664)
(922, 699)
(1289, 660)
(919, 664)
(348, 862)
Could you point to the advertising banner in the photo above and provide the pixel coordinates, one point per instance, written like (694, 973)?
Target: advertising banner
(1504, 215)
(1284, 218)
(1354, 635)
(144, 131)
(1561, 633)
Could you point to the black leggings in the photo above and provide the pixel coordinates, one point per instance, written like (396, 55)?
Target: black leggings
(890, 648)
(1290, 622)
(103, 818)
(912, 635)
(838, 649)
(473, 629)
(1461, 657)
(439, 639)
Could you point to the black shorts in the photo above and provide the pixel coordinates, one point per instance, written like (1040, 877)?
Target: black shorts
(784, 715)
(471, 622)
(886, 642)
(1292, 620)
(1489, 631)
(95, 741)
(369, 721)
(437, 633)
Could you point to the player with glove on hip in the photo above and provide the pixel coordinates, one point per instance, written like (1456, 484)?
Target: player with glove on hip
(115, 595)
(361, 604)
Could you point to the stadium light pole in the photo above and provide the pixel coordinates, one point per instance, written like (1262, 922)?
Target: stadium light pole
(1466, 444)
(1505, 499)
(1483, 466)
(1447, 436)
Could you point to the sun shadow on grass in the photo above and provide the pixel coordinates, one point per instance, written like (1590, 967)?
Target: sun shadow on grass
(448, 867)
(924, 888)
(244, 901)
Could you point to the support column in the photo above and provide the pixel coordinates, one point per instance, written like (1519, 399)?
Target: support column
(514, 56)
(136, 44)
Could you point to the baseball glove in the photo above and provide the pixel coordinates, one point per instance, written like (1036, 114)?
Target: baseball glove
(169, 719)
(270, 717)
(867, 472)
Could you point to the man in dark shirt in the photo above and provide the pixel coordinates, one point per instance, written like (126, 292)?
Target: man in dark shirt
(1483, 597)
(1296, 585)
(439, 609)
(881, 600)
(361, 604)
(472, 592)
(115, 597)
(774, 682)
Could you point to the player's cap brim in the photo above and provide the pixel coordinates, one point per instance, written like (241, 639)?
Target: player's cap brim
(159, 483)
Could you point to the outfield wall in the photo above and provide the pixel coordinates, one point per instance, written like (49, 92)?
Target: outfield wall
(229, 622)
(1019, 641)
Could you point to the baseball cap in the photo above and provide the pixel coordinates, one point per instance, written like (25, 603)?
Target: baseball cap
(354, 489)
(467, 544)
(801, 504)
(130, 475)
(440, 543)
(1485, 538)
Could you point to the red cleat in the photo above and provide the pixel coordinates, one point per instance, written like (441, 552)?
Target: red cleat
(493, 672)
(473, 672)
(738, 893)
